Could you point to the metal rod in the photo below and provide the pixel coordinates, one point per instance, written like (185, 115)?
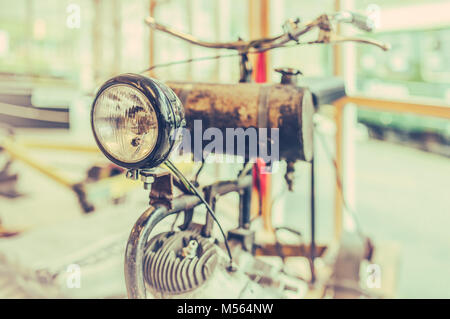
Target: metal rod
(245, 199)
(313, 223)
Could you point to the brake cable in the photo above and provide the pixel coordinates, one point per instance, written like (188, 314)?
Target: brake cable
(215, 57)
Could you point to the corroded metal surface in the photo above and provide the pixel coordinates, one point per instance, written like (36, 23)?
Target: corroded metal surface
(286, 107)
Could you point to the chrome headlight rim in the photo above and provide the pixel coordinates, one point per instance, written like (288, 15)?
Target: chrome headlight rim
(169, 114)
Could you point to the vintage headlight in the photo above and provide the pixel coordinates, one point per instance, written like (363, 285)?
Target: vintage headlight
(136, 121)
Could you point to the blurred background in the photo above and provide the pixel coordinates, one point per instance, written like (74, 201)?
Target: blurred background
(54, 54)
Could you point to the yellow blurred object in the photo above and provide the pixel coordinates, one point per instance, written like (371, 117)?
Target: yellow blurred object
(19, 152)
(106, 186)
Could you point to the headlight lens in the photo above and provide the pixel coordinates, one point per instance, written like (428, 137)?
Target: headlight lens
(136, 121)
(126, 124)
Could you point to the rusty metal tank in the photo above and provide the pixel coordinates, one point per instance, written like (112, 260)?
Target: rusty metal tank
(284, 106)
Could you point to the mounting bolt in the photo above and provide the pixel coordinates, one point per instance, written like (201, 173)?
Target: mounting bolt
(132, 174)
(288, 75)
(147, 177)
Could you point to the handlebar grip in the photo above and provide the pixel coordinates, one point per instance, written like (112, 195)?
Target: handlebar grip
(362, 22)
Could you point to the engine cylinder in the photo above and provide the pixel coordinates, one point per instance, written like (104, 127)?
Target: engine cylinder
(174, 264)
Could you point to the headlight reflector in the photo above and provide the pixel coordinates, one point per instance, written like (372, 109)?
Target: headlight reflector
(135, 120)
(125, 123)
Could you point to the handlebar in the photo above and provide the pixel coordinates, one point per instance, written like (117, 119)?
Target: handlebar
(236, 45)
(293, 30)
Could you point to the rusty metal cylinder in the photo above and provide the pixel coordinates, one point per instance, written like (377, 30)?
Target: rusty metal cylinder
(286, 107)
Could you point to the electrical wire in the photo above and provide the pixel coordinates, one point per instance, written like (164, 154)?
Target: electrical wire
(214, 57)
(194, 190)
(163, 65)
(197, 174)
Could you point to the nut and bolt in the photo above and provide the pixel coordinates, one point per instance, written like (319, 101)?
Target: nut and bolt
(132, 174)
